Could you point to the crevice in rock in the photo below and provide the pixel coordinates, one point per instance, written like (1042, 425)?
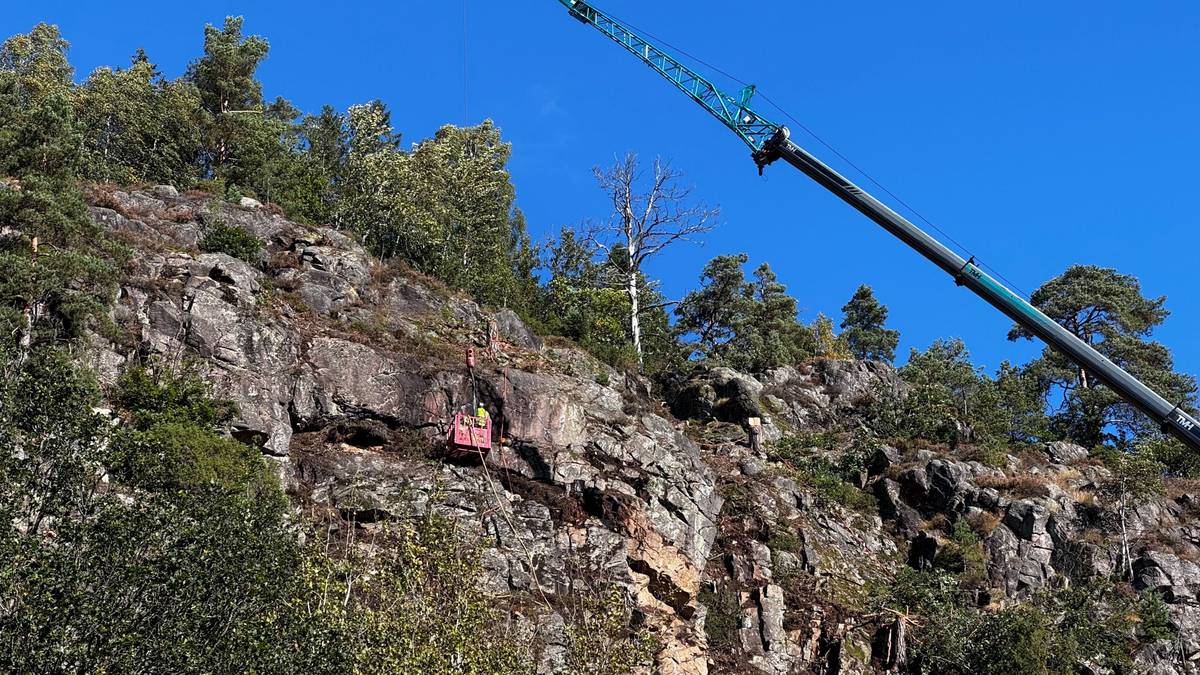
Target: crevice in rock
(664, 589)
(563, 507)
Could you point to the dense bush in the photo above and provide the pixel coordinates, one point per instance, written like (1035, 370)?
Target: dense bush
(1091, 621)
(185, 562)
(832, 481)
(231, 240)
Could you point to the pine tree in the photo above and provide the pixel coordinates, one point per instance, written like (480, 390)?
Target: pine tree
(55, 292)
(748, 325)
(1108, 311)
(863, 327)
(234, 129)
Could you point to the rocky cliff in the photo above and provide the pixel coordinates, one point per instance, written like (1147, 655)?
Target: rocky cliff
(346, 372)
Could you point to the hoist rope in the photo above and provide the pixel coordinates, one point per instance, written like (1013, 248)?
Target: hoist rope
(833, 150)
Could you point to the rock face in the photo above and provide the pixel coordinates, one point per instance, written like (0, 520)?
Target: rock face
(345, 373)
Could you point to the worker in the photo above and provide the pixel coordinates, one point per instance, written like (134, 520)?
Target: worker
(481, 416)
(755, 429)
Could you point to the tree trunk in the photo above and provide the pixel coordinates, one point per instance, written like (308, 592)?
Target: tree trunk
(635, 326)
(1125, 540)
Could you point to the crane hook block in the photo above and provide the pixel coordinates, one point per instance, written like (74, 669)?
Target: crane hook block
(470, 357)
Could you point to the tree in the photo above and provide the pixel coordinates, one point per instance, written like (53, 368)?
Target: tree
(863, 327)
(583, 299)
(37, 130)
(829, 345)
(447, 207)
(1021, 403)
(38, 61)
(326, 148)
(1136, 479)
(772, 336)
(1106, 310)
(225, 74)
(715, 312)
(137, 126)
(54, 292)
(648, 215)
(748, 325)
(950, 399)
(229, 93)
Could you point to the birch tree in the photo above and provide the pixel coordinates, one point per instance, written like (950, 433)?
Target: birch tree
(650, 211)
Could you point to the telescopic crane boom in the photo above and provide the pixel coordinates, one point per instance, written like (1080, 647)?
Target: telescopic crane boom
(770, 142)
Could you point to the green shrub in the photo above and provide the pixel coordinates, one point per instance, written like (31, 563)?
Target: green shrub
(1155, 617)
(832, 482)
(783, 539)
(413, 605)
(1092, 623)
(723, 619)
(231, 240)
(154, 395)
(213, 186)
(963, 555)
(603, 639)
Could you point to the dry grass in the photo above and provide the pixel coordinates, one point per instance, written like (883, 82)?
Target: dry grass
(1021, 487)
(1030, 459)
(939, 521)
(983, 523)
(1169, 541)
(1181, 487)
(284, 260)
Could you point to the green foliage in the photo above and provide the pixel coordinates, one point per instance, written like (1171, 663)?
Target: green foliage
(602, 641)
(186, 560)
(38, 60)
(97, 583)
(1021, 406)
(583, 300)
(231, 240)
(863, 327)
(446, 208)
(67, 286)
(1136, 478)
(137, 126)
(724, 617)
(1155, 617)
(1108, 311)
(1056, 632)
(963, 555)
(948, 400)
(833, 482)
(1175, 457)
(829, 345)
(750, 326)
(170, 441)
(225, 74)
(414, 606)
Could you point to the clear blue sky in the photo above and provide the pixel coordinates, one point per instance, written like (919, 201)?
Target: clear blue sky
(1038, 134)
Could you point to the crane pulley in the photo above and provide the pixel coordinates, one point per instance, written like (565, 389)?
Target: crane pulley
(770, 142)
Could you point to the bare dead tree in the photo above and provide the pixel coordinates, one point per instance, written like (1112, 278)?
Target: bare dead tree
(649, 213)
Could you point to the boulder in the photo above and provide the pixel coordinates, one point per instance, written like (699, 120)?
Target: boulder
(721, 394)
(514, 331)
(1062, 452)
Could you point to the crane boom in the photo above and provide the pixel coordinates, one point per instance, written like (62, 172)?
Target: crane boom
(771, 142)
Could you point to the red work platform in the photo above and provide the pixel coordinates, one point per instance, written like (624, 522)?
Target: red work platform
(469, 436)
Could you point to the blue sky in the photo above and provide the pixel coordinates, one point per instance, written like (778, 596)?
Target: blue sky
(1038, 134)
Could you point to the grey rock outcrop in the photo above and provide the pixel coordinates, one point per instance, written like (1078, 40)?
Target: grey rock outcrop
(345, 372)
